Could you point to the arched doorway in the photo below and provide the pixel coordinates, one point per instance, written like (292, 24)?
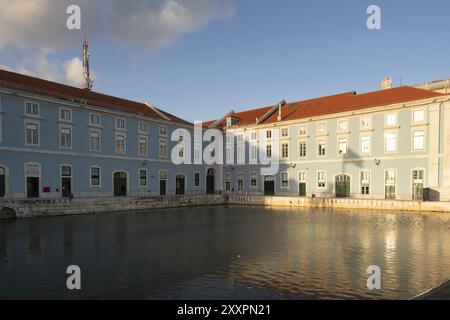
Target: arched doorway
(269, 185)
(120, 184)
(2, 182)
(342, 186)
(210, 181)
(180, 184)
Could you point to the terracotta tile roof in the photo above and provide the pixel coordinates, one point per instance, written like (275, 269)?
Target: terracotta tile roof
(349, 101)
(15, 81)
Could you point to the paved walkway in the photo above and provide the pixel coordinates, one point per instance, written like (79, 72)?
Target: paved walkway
(441, 292)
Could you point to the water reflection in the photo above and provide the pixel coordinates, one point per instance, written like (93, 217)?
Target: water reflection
(220, 252)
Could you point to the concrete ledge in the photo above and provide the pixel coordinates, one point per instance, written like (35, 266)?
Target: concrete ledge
(441, 292)
(339, 203)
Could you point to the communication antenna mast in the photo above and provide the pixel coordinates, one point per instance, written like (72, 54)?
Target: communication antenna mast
(88, 83)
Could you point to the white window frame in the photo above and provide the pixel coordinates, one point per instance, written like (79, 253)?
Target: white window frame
(64, 109)
(99, 140)
(395, 134)
(37, 124)
(240, 177)
(318, 148)
(163, 134)
(159, 148)
(286, 129)
(361, 181)
(413, 120)
(282, 181)
(369, 126)
(386, 117)
(146, 145)
(343, 140)
(61, 128)
(39, 176)
(146, 178)
(140, 124)
(338, 125)
(283, 156)
(124, 143)
(413, 140)
(99, 177)
(300, 134)
(361, 149)
(32, 114)
(300, 149)
(91, 114)
(324, 180)
(322, 132)
(121, 120)
(199, 179)
(251, 180)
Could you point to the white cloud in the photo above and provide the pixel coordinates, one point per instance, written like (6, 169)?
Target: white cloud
(149, 24)
(73, 72)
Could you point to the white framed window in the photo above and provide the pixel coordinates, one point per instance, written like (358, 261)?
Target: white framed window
(391, 119)
(32, 109)
(162, 148)
(253, 180)
(228, 182)
(196, 179)
(321, 148)
(253, 135)
(365, 144)
(163, 131)
(302, 130)
(197, 153)
(65, 114)
(418, 140)
(269, 151)
(285, 151)
(322, 128)
(240, 137)
(284, 180)
(342, 146)
(65, 136)
(228, 154)
(302, 176)
(342, 125)
(95, 176)
(302, 149)
(253, 153)
(321, 179)
(94, 141)
(365, 123)
(365, 182)
(269, 134)
(120, 123)
(143, 127)
(240, 153)
(94, 119)
(240, 182)
(418, 116)
(163, 175)
(285, 132)
(143, 146)
(390, 144)
(120, 143)
(31, 134)
(143, 178)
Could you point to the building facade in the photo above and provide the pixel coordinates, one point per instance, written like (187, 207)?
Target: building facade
(387, 144)
(60, 141)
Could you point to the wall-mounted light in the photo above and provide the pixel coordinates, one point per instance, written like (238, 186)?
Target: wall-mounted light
(377, 162)
(292, 165)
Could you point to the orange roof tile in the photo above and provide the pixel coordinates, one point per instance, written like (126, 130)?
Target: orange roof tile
(349, 101)
(16, 81)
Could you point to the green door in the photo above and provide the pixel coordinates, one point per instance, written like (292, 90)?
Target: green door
(390, 191)
(342, 186)
(418, 191)
(120, 184)
(269, 186)
(302, 189)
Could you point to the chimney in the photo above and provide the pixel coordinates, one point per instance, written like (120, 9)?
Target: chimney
(386, 83)
(280, 105)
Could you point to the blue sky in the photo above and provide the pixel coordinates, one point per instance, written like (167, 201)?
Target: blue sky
(265, 51)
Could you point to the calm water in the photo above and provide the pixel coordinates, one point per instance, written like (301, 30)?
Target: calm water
(225, 252)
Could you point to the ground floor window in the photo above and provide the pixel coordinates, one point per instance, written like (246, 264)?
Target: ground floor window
(390, 180)
(284, 180)
(228, 182)
(365, 182)
(197, 179)
(253, 179)
(142, 178)
(240, 182)
(95, 176)
(321, 180)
